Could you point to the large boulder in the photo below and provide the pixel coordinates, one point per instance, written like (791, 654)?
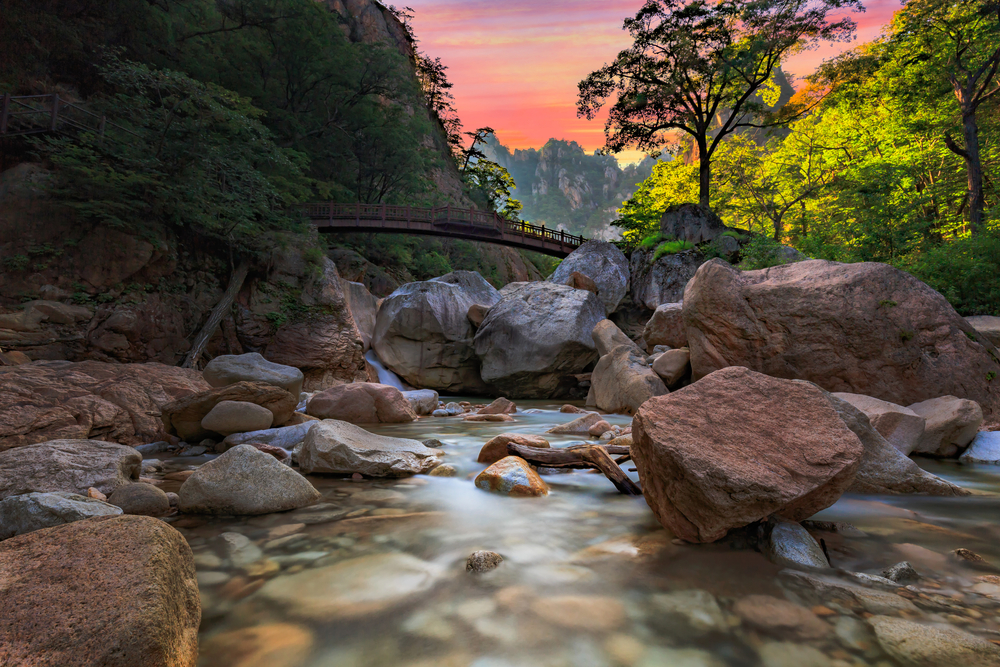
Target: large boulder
(362, 403)
(115, 591)
(902, 427)
(951, 424)
(987, 326)
(228, 417)
(73, 466)
(49, 400)
(692, 223)
(423, 401)
(229, 369)
(738, 446)
(512, 476)
(622, 380)
(364, 309)
(536, 338)
(666, 326)
(33, 511)
(607, 336)
(861, 328)
(604, 264)
(245, 481)
(183, 417)
(424, 335)
(673, 366)
(659, 281)
(342, 448)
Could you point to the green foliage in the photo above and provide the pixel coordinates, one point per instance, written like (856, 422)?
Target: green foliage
(671, 248)
(990, 376)
(16, 262)
(966, 271)
(887, 303)
(761, 252)
(906, 335)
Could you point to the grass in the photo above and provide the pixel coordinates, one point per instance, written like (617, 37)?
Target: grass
(671, 248)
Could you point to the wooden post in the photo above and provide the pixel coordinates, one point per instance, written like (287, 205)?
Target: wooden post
(55, 111)
(4, 113)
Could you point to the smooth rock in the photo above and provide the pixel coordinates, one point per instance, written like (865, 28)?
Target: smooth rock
(245, 481)
(229, 369)
(286, 437)
(183, 417)
(228, 417)
(32, 511)
(579, 426)
(791, 545)
(781, 618)
(270, 645)
(496, 448)
(141, 499)
(607, 336)
(116, 591)
(488, 418)
(688, 613)
(952, 423)
(73, 466)
(985, 448)
(816, 588)
(599, 429)
(738, 446)
(342, 448)
(512, 476)
(444, 470)
(587, 613)
(483, 561)
(922, 645)
(666, 327)
(352, 589)
(787, 654)
(901, 427)
(536, 338)
(423, 401)
(500, 406)
(622, 381)
(673, 366)
(986, 326)
(362, 403)
(364, 309)
(901, 573)
(604, 264)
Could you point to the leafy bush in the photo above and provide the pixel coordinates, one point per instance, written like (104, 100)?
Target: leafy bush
(761, 252)
(966, 271)
(671, 248)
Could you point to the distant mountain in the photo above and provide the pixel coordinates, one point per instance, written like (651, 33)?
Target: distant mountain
(565, 187)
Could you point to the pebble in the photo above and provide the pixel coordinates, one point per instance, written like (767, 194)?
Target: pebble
(483, 561)
(901, 573)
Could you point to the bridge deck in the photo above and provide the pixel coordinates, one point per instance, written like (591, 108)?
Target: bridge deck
(448, 221)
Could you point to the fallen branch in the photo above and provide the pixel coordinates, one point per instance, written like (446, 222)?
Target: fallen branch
(580, 457)
(217, 314)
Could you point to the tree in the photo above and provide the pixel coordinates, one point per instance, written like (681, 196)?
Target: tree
(490, 181)
(703, 68)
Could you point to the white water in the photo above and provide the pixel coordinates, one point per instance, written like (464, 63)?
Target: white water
(385, 376)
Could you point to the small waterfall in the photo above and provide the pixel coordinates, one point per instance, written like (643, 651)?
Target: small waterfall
(385, 376)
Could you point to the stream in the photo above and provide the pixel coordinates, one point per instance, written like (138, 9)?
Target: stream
(374, 574)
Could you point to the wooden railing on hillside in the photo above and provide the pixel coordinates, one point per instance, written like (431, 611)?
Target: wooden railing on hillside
(35, 114)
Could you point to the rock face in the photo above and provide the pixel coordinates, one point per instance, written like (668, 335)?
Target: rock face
(68, 465)
(884, 469)
(604, 264)
(245, 481)
(691, 223)
(364, 309)
(738, 446)
(951, 424)
(34, 511)
(252, 367)
(666, 326)
(536, 337)
(901, 427)
(228, 417)
(861, 328)
(660, 281)
(622, 381)
(424, 335)
(512, 476)
(342, 448)
(183, 417)
(931, 645)
(55, 579)
(986, 326)
(49, 400)
(362, 403)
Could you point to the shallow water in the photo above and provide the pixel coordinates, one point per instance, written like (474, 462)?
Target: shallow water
(583, 581)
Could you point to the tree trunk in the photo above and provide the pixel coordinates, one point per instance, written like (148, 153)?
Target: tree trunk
(974, 165)
(704, 174)
(219, 312)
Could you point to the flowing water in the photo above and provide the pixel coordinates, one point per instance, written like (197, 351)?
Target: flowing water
(374, 575)
(385, 376)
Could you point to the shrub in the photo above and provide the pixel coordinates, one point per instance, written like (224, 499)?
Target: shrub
(671, 248)
(761, 252)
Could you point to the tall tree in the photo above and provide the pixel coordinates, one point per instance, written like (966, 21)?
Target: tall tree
(704, 68)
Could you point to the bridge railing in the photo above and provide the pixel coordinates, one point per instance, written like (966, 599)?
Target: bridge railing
(35, 114)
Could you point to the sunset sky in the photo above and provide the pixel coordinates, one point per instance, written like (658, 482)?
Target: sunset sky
(516, 64)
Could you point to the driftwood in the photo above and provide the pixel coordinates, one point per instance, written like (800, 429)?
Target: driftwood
(217, 314)
(580, 457)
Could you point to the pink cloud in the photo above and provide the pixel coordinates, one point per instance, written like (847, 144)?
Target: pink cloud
(515, 65)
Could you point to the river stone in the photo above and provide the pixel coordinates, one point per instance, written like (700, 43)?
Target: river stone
(269, 645)
(901, 427)
(673, 365)
(583, 613)
(501, 406)
(791, 545)
(142, 499)
(579, 426)
(183, 417)
(352, 589)
(951, 424)
(865, 328)
(73, 466)
(816, 588)
(738, 446)
(33, 511)
(666, 326)
(788, 654)
(622, 381)
(987, 326)
(604, 264)
(423, 401)
(342, 448)
(424, 335)
(923, 645)
(229, 369)
(114, 591)
(228, 417)
(362, 403)
(687, 613)
(512, 476)
(245, 481)
(781, 618)
(884, 469)
(286, 437)
(537, 338)
(496, 448)
(985, 448)
(483, 561)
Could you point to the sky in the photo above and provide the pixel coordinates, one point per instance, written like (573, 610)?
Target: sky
(515, 64)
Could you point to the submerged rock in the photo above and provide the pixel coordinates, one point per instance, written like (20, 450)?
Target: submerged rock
(601, 262)
(342, 448)
(689, 613)
(229, 369)
(33, 511)
(73, 466)
(781, 618)
(922, 645)
(512, 476)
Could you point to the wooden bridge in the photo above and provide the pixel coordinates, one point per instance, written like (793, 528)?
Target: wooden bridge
(459, 223)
